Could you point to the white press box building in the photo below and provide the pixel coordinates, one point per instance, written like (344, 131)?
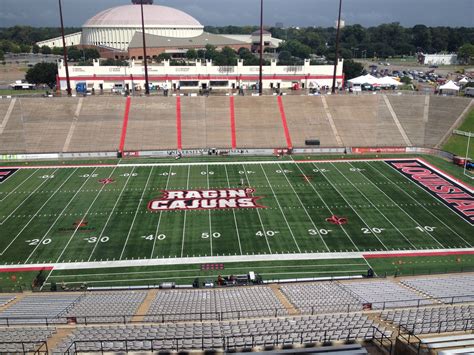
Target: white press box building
(199, 76)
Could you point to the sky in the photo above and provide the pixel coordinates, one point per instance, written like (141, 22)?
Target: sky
(322, 13)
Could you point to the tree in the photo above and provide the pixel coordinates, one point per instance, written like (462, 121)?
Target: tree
(296, 48)
(191, 54)
(45, 50)
(2, 55)
(352, 69)
(42, 73)
(466, 53)
(114, 63)
(36, 49)
(162, 57)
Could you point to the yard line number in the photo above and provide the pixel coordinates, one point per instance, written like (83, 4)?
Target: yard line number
(315, 232)
(94, 240)
(35, 242)
(372, 230)
(266, 233)
(152, 237)
(426, 229)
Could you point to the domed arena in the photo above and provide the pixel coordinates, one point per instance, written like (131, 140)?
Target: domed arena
(115, 27)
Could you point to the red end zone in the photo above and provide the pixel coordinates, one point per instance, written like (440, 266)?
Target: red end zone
(26, 269)
(414, 254)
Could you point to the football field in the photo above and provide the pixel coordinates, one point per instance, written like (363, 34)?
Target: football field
(95, 213)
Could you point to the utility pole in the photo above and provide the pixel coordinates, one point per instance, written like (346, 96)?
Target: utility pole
(260, 81)
(64, 52)
(336, 59)
(147, 86)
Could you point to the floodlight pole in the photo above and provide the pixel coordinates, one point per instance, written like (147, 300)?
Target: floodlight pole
(260, 81)
(336, 59)
(147, 86)
(64, 52)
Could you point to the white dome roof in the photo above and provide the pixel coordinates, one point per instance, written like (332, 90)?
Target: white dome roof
(130, 16)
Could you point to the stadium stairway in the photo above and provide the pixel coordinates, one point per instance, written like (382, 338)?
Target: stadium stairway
(292, 310)
(144, 307)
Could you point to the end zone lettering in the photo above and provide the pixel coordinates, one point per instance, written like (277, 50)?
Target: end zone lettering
(452, 194)
(205, 200)
(6, 173)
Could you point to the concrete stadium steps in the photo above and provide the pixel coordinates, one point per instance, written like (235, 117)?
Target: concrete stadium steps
(258, 123)
(443, 112)
(99, 125)
(12, 135)
(151, 124)
(307, 120)
(409, 110)
(387, 132)
(355, 118)
(205, 122)
(46, 123)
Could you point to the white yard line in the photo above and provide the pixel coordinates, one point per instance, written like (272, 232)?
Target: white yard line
(159, 218)
(84, 216)
(184, 222)
(233, 212)
(18, 186)
(258, 212)
(33, 217)
(136, 213)
(237, 258)
(421, 205)
(350, 205)
(110, 214)
(27, 197)
(281, 210)
(60, 214)
(304, 208)
(379, 211)
(401, 209)
(329, 209)
(210, 219)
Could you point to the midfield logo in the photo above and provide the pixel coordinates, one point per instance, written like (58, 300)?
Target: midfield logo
(337, 220)
(6, 173)
(205, 200)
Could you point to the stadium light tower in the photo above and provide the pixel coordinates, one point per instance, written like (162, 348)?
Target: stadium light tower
(147, 86)
(336, 59)
(260, 80)
(69, 92)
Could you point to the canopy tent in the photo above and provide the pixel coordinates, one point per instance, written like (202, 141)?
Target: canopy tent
(450, 85)
(388, 81)
(463, 81)
(364, 79)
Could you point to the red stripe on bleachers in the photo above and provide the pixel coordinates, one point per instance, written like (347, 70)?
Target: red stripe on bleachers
(178, 123)
(232, 122)
(125, 124)
(285, 124)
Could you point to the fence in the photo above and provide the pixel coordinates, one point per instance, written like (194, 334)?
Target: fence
(27, 347)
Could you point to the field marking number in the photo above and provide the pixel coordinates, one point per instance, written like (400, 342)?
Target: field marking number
(89, 175)
(426, 229)
(267, 233)
(166, 174)
(283, 171)
(205, 235)
(91, 240)
(37, 241)
(128, 174)
(207, 173)
(241, 172)
(357, 170)
(47, 177)
(372, 230)
(152, 237)
(320, 170)
(320, 231)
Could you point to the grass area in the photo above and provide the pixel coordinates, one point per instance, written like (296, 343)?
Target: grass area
(56, 215)
(420, 265)
(186, 274)
(16, 281)
(8, 92)
(458, 144)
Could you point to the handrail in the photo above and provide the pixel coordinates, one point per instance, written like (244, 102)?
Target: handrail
(248, 341)
(382, 338)
(229, 315)
(37, 349)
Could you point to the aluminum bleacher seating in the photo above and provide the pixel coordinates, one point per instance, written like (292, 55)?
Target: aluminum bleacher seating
(4, 300)
(229, 334)
(230, 303)
(385, 294)
(322, 297)
(448, 289)
(16, 340)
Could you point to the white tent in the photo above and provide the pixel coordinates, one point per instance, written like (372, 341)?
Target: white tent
(364, 79)
(389, 81)
(463, 81)
(450, 85)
